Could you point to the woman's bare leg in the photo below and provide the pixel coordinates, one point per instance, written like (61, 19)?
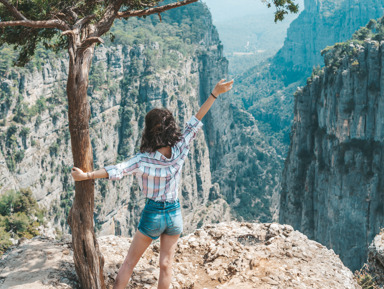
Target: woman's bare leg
(168, 245)
(139, 244)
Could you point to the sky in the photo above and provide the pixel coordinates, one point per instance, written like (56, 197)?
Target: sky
(248, 25)
(226, 9)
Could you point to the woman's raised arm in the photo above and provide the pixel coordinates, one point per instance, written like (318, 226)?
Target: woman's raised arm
(221, 87)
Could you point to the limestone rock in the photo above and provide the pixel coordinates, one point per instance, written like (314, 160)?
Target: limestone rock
(226, 255)
(332, 184)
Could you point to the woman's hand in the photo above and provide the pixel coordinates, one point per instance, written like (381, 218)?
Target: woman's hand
(78, 174)
(222, 87)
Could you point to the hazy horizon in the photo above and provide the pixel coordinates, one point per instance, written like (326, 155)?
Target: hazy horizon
(248, 31)
(226, 9)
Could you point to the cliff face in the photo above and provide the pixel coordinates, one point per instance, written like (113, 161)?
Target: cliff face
(322, 23)
(127, 80)
(242, 161)
(263, 104)
(333, 185)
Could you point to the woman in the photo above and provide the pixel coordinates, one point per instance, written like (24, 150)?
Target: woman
(158, 168)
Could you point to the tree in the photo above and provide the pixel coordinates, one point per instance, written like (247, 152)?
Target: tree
(78, 27)
(283, 7)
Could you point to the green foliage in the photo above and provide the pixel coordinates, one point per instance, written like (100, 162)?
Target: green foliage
(24, 132)
(20, 216)
(38, 121)
(283, 7)
(19, 155)
(21, 201)
(66, 200)
(103, 187)
(5, 241)
(67, 136)
(241, 117)
(55, 117)
(11, 136)
(334, 55)
(8, 55)
(126, 130)
(317, 71)
(96, 76)
(29, 41)
(362, 34)
(53, 149)
(24, 113)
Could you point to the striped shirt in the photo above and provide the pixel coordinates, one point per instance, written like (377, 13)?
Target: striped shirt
(158, 176)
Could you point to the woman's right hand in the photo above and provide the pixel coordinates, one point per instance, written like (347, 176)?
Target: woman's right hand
(222, 87)
(78, 174)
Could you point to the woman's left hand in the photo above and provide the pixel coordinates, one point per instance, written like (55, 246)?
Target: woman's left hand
(78, 174)
(222, 87)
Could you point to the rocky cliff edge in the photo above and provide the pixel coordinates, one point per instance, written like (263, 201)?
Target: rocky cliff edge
(224, 255)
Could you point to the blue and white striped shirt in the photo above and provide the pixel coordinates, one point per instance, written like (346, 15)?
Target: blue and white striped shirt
(158, 176)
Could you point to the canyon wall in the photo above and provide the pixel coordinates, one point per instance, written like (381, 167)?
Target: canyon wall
(322, 23)
(333, 185)
(264, 94)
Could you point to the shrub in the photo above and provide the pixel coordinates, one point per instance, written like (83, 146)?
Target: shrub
(11, 136)
(365, 279)
(20, 216)
(19, 155)
(53, 149)
(17, 223)
(5, 241)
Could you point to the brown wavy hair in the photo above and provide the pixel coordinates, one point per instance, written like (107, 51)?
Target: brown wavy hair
(160, 130)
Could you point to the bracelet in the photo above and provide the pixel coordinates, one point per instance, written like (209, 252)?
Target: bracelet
(88, 175)
(215, 97)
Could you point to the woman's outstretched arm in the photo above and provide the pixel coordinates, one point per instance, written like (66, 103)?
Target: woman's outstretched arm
(111, 172)
(221, 87)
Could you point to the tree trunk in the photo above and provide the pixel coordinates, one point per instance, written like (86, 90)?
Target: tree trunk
(88, 260)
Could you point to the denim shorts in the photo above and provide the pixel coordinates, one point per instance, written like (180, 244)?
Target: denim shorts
(161, 218)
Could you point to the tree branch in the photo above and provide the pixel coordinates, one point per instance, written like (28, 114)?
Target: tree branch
(36, 24)
(23, 21)
(72, 14)
(84, 20)
(156, 10)
(109, 16)
(72, 34)
(13, 10)
(147, 4)
(89, 41)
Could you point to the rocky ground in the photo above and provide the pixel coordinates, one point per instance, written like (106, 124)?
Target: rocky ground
(225, 255)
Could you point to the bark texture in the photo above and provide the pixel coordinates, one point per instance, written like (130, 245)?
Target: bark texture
(88, 260)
